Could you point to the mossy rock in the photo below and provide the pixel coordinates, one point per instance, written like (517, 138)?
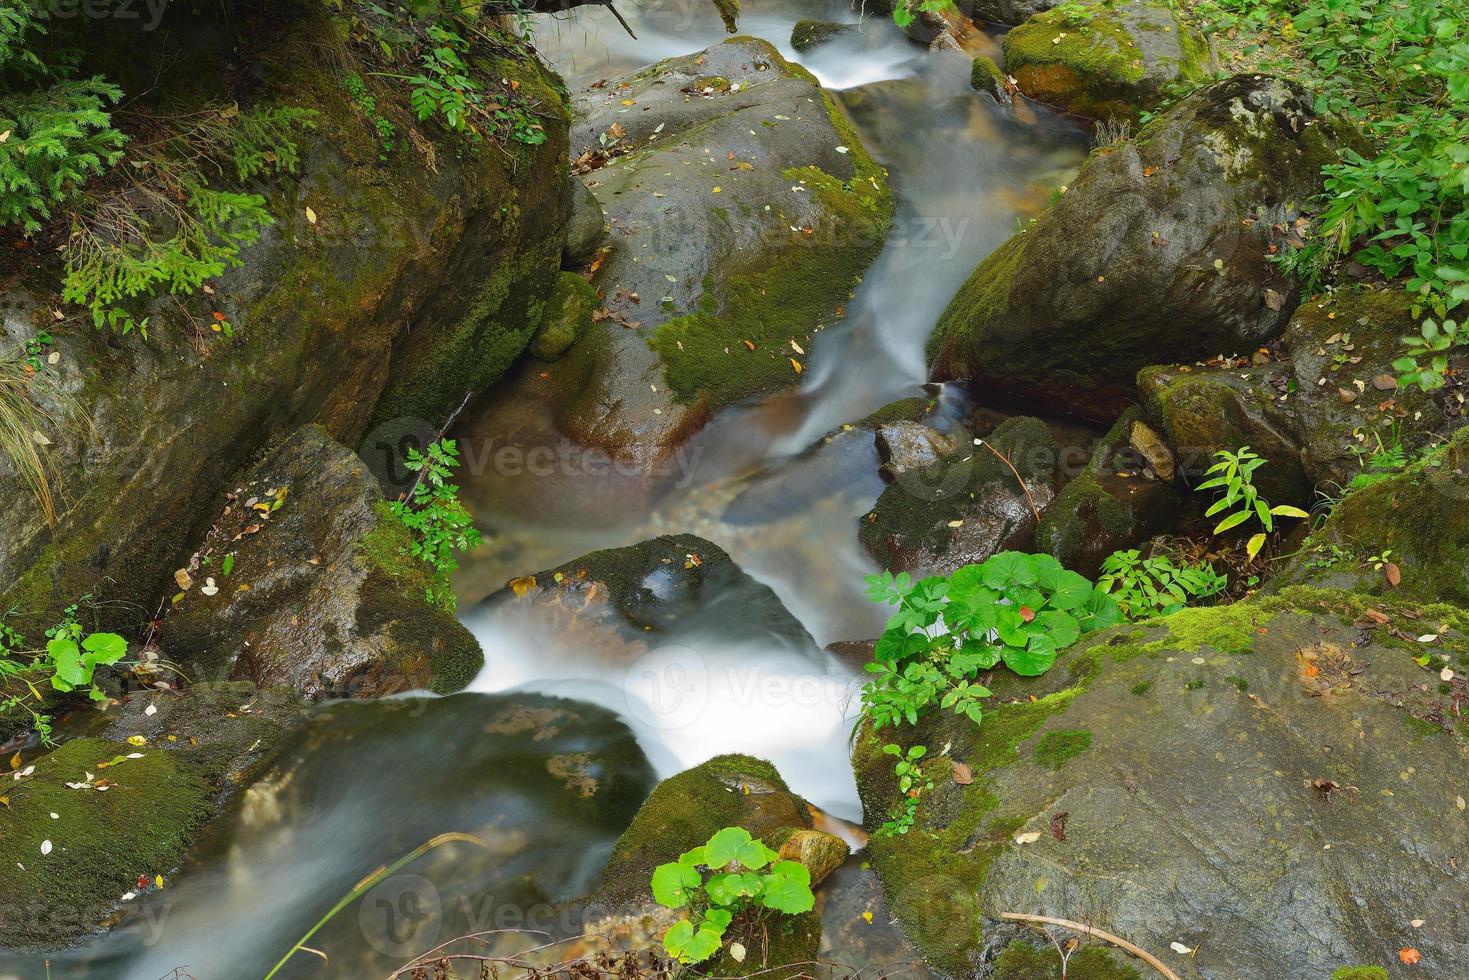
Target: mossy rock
(1359, 973)
(1111, 60)
(1111, 505)
(1004, 11)
(1265, 753)
(808, 34)
(1419, 515)
(1023, 961)
(415, 285)
(1159, 250)
(1316, 412)
(322, 595)
(568, 315)
(683, 812)
(986, 76)
(193, 750)
(966, 507)
(715, 293)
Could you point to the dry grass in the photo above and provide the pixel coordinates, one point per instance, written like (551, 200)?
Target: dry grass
(27, 430)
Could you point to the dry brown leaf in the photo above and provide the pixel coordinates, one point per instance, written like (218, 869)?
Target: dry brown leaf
(1393, 574)
(963, 775)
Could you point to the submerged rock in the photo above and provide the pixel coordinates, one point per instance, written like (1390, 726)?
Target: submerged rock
(1168, 782)
(1317, 413)
(810, 33)
(671, 582)
(965, 507)
(306, 581)
(568, 316)
(1113, 504)
(743, 208)
(123, 800)
(1107, 61)
(1157, 250)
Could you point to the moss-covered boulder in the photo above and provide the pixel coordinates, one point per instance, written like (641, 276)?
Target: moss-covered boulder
(1158, 250)
(1264, 756)
(1109, 60)
(745, 208)
(683, 812)
(568, 316)
(1116, 502)
(967, 506)
(1417, 521)
(386, 290)
(1317, 412)
(674, 582)
(82, 825)
(305, 580)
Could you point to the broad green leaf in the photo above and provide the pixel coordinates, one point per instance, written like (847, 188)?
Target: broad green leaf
(788, 888)
(1071, 591)
(1285, 510)
(1062, 627)
(66, 664)
(1033, 660)
(672, 884)
(726, 889)
(1233, 520)
(1007, 568)
(104, 648)
(725, 846)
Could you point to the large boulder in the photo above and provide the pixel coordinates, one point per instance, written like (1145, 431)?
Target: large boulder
(1157, 250)
(305, 580)
(1412, 526)
(1110, 60)
(1317, 412)
(386, 290)
(1184, 782)
(1117, 501)
(121, 801)
(966, 506)
(1003, 11)
(743, 208)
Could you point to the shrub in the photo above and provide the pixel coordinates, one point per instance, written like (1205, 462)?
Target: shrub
(1157, 586)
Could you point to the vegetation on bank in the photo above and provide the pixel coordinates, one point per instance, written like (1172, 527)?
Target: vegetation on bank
(1399, 70)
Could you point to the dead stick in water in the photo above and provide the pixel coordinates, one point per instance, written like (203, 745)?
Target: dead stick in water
(1137, 951)
(1006, 460)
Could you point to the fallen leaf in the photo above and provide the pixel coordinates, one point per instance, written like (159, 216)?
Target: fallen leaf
(963, 775)
(1028, 838)
(151, 710)
(184, 580)
(46, 847)
(737, 952)
(520, 586)
(795, 365)
(1180, 948)
(1385, 382)
(1409, 955)
(1274, 300)
(1058, 825)
(311, 216)
(1393, 574)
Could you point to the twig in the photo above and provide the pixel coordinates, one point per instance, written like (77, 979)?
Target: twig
(1086, 930)
(408, 494)
(1006, 460)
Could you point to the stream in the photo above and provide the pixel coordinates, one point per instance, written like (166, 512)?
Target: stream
(364, 783)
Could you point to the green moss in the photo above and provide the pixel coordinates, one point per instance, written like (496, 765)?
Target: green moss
(1422, 729)
(1242, 685)
(1022, 961)
(770, 299)
(986, 76)
(102, 841)
(568, 315)
(913, 409)
(1055, 748)
(1359, 973)
(984, 297)
(729, 12)
(685, 810)
(1141, 689)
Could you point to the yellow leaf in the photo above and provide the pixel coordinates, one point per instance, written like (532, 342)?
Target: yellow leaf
(311, 216)
(520, 586)
(158, 880)
(795, 365)
(137, 740)
(718, 190)
(1255, 544)
(15, 761)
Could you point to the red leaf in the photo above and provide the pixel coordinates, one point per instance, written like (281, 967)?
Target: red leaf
(1027, 613)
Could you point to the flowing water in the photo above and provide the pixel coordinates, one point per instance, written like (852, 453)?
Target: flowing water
(364, 783)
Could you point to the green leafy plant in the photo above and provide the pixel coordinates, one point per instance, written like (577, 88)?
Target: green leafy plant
(1157, 586)
(67, 664)
(732, 875)
(366, 103)
(912, 783)
(56, 129)
(431, 510)
(905, 12)
(1234, 474)
(1014, 609)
